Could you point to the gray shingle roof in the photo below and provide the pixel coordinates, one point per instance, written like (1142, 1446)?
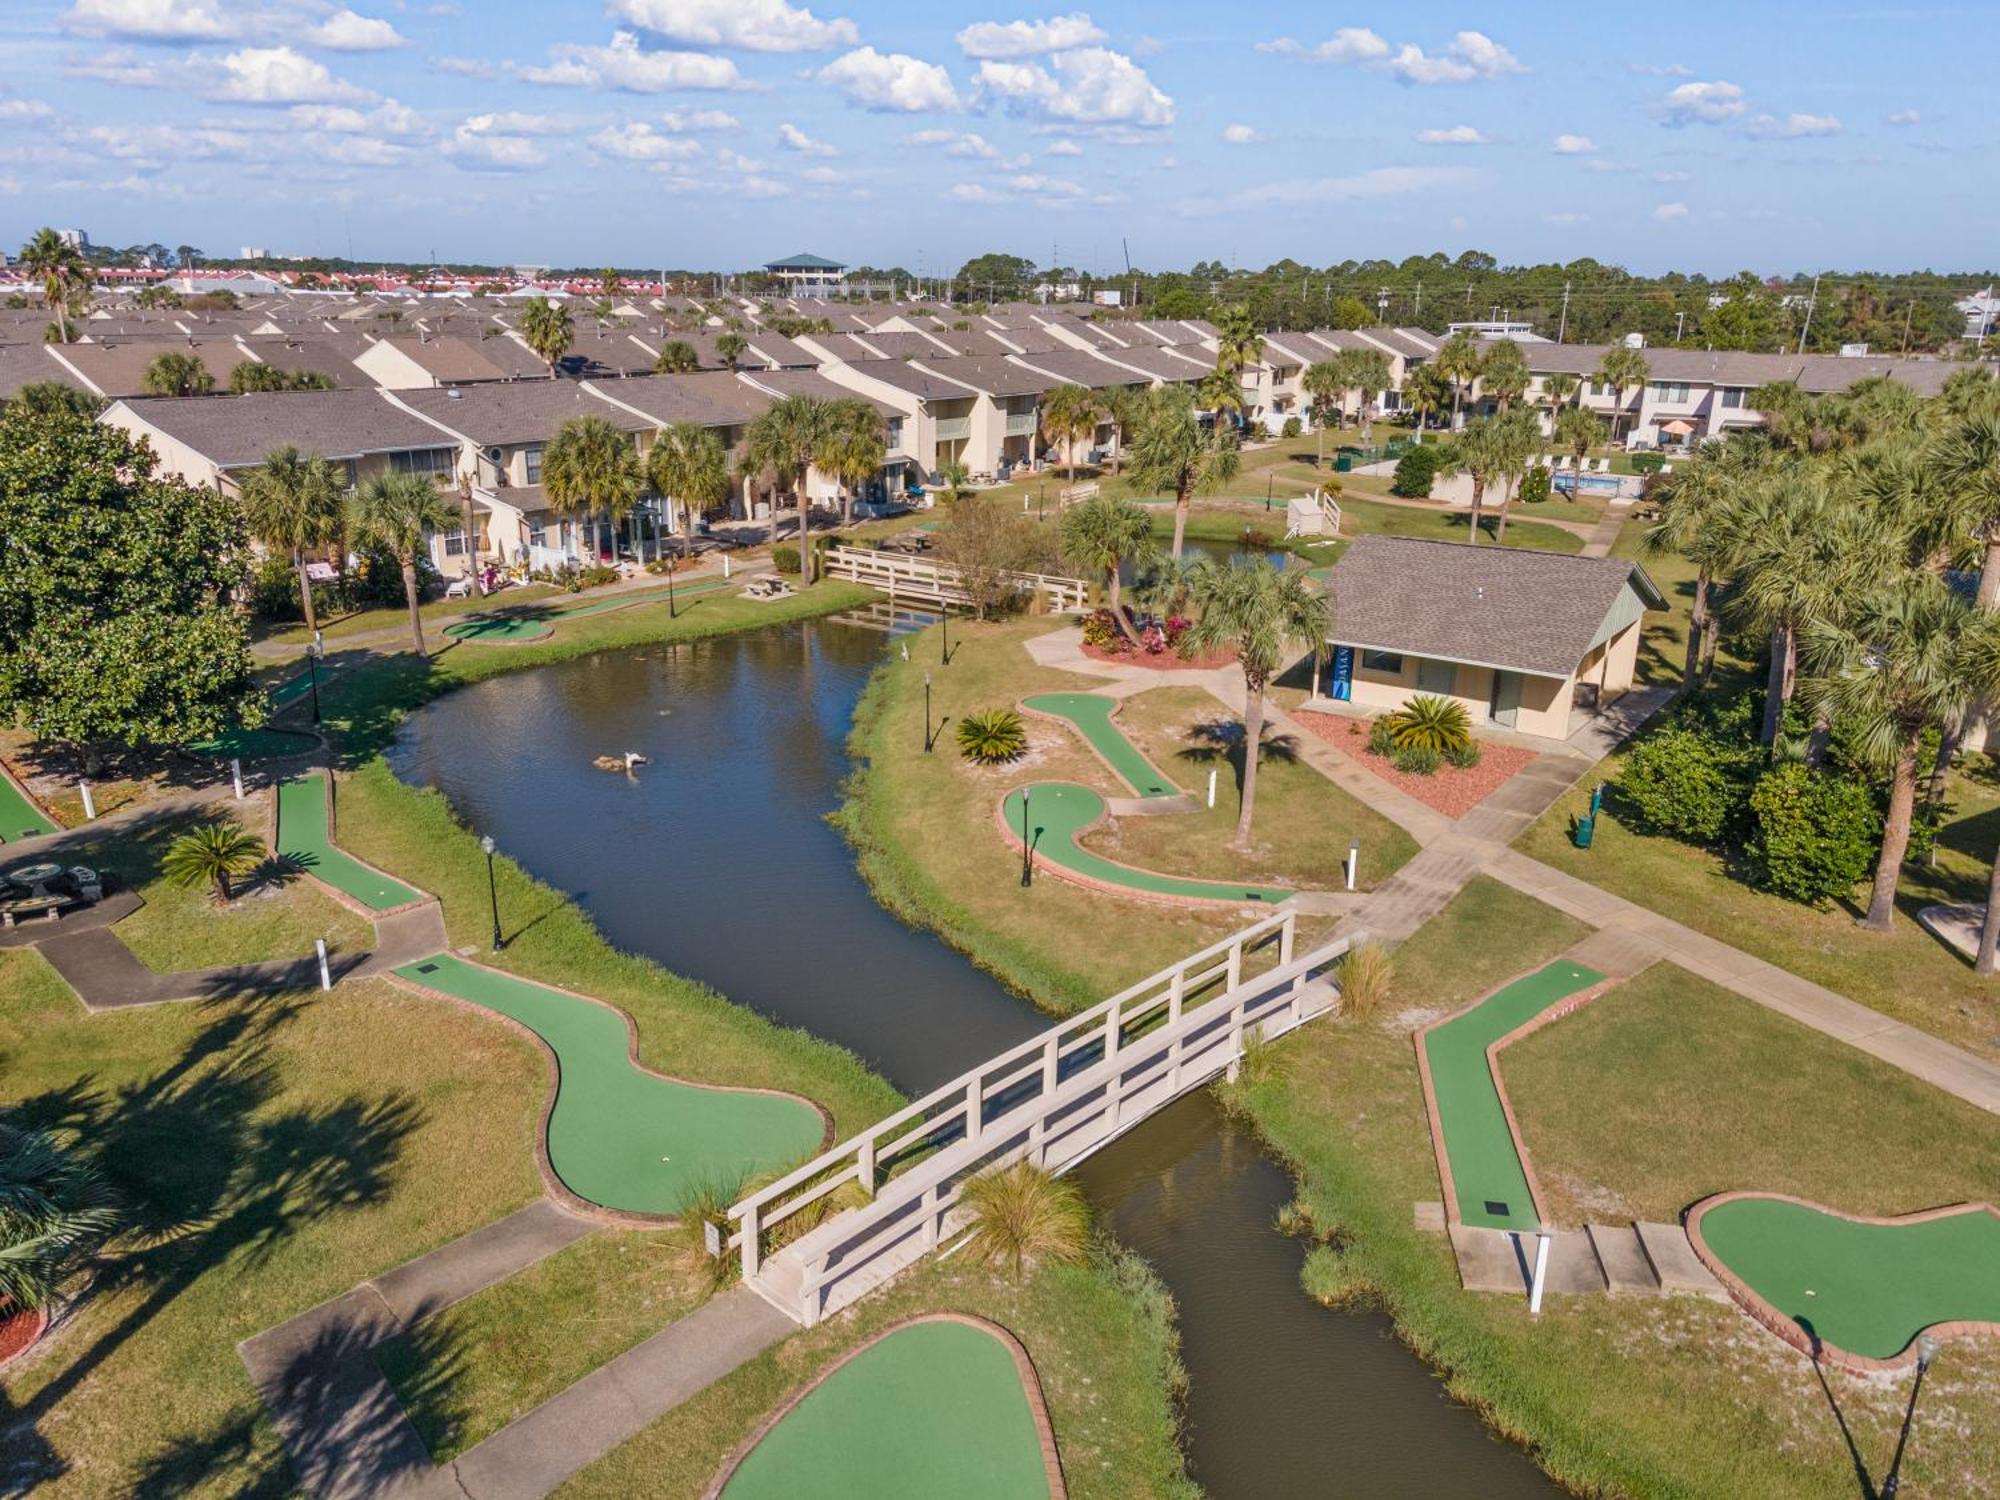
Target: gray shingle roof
(517, 411)
(1533, 612)
(233, 431)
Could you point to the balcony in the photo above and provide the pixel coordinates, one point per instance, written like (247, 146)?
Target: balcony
(951, 429)
(1020, 424)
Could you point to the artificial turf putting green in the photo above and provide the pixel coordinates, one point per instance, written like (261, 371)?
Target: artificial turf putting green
(303, 839)
(1486, 1174)
(19, 817)
(1866, 1288)
(619, 1136)
(1090, 716)
(936, 1408)
(533, 624)
(1060, 810)
(255, 744)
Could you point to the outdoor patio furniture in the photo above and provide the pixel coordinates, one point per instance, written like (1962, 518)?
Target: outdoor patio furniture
(458, 588)
(88, 883)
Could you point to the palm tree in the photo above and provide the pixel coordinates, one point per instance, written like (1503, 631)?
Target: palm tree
(1221, 391)
(398, 512)
(1325, 381)
(1099, 535)
(789, 437)
(61, 269)
(1238, 344)
(54, 1212)
(1367, 374)
(177, 374)
(1069, 415)
(292, 502)
(1172, 454)
(856, 455)
(1579, 431)
(1458, 361)
(209, 854)
(1914, 656)
(545, 325)
(1259, 612)
(730, 348)
(590, 468)
(677, 357)
(1694, 504)
(1516, 435)
(1425, 392)
(1621, 366)
(1119, 403)
(954, 478)
(690, 466)
(1482, 449)
(1503, 372)
(1967, 458)
(1560, 388)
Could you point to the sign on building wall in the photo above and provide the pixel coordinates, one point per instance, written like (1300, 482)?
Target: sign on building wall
(1343, 673)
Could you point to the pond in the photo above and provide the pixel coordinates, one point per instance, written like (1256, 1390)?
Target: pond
(716, 859)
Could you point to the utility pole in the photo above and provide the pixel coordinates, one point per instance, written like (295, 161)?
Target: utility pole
(1680, 322)
(1562, 327)
(1811, 302)
(1381, 305)
(1909, 312)
(1419, 315)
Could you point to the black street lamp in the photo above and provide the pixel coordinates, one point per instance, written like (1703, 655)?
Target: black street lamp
(1027, 846)
(492, 890)
(1926, 1352)
(944, 645)
(313, 649)
(672, 613)
(927, 713)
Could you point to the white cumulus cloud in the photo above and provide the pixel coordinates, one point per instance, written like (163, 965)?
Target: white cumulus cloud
(1904, 117)
(1667, 213)
(999, 40)
(1701, 103)
(154, 20)
(22, 110)
(1064, 148)
(794, 139)
(1792, 127)
(626, 66)
(1241, 135)
(701, 119)
(892, 81)
(1454, 135)
(1090, 86)
(1566, 219)
(638, 141)
(1469, 56)
(278, 75)
(344, 31)
(1573, 145)
(387, 119)
(961, 143)
(751, 25)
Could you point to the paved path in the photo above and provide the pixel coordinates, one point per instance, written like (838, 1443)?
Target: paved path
(1604, 535)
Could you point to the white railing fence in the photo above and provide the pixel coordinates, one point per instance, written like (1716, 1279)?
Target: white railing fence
(897, 574)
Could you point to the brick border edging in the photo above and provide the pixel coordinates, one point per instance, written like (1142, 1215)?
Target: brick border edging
(1787, 1328)
(353, 904)
(1092, 883)
(1556, 1011)
(1024, 1367)
(41, 1320)
(552, 1183)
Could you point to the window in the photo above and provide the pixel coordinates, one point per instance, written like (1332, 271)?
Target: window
(537, 535)
(895, 432)
(531, 457)
(1436, 676)
(1732, 395)
(1383, 661)
(436, 462)
(1664, 390)
(454, 543)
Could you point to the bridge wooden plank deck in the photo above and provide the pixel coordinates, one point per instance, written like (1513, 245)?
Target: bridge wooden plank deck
(918, 578)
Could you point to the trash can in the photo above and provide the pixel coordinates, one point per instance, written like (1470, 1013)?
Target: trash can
(1585, 827)
(1343, 463)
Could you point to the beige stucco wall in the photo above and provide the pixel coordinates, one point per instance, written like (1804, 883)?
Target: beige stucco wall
(1545, 701)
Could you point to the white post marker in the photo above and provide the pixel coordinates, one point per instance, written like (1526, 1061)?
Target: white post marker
(1541, 1273)
(236, 776)
(725, 567)
(325, 975)
(1353, 862)
(1211, 788)
(89, 803)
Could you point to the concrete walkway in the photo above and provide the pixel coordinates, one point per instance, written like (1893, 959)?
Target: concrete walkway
(349, 1438)
(1604, 535)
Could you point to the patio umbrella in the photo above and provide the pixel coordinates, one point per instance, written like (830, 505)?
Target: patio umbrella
(1677, 427)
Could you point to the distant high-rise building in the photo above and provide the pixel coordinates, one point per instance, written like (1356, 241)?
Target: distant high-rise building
(253, 252)
(77, 239)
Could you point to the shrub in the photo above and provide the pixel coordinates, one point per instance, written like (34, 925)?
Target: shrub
(1418, 760)
(1415, 471)
(1813, 833)
(1154, 639)
(1464, 757)
(1382, 738)
(1255, 539)
(1534, 486)
(55, 1210)
(785, 557)
(1648, 463)
(274, 591)
(992, 737)
(1176, 627)
(1022, 1213)
(597, 575)
(1291, 429)
(1366, 974)
(210, 854)
(1429, 722)
(1686, 783)
(1100, 629)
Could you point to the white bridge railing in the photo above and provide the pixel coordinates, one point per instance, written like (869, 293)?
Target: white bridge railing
(920, 578)
(1052, 1100)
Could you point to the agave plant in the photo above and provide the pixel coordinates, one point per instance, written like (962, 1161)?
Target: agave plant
(54, 1211)
(992, 737)
(210, 854)
(1022, 1213)
(1428, 722)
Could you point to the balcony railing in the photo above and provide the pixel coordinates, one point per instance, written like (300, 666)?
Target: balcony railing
(949, 429)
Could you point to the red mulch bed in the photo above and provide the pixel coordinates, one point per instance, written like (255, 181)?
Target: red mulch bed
(1449, 790)
(18, 1332)
(1166, 661)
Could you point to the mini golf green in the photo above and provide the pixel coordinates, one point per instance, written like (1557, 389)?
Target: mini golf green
(303, 838)
(254, 744)
(1487, 1178)
(19, 817)
(531, 625)
(936, 1408)
(1089, 714)
(1865, 1288)
(619, 1136)
(1058, 811)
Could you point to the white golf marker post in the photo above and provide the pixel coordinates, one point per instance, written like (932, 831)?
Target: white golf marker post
(89, 803)
(325, 974)
(236, 776)
(1542, 1239)
(1353, 863)
(1211, 788)
(725, 567)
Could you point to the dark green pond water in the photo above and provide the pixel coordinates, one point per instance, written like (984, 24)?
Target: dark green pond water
(716, 860)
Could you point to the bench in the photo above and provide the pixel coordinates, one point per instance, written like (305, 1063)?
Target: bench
(48, 907)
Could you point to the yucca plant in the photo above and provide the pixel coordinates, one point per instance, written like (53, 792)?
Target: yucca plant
(210, 854)
(1429, 722)
(1366, 974)
(992, 737)
(54, 1211)
(1022, 1213)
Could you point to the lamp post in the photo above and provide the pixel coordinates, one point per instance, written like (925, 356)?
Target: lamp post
(944, 641)
(1926, 1352)
(672, 612)
(927, 713)
(492, 890)
(1027, 846)
(313, 649)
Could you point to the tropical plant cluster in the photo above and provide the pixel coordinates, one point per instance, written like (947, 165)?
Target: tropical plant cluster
(992, 736)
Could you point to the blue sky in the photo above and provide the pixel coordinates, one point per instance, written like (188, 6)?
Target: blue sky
(721, 133)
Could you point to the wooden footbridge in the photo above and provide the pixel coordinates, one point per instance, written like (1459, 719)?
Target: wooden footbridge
(919, 580)
(1052, 1100)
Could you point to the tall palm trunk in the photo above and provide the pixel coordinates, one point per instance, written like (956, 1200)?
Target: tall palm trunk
(805, 526)
(1478, 501)
(1697, 631)
(1319, 431)
(1988, 961)
(468, 522)
(1895, 840)
(1113, 591)
(1989, 571)
(416, 613)
(1941, 767)
(1253, 739)
(1506, 500)
(1778, 682)
(1180, 518)
(306, 593)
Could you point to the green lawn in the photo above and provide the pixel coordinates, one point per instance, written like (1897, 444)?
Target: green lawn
(397, 616)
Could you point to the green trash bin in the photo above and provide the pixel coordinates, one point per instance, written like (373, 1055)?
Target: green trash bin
(1343, 463)
(1585, 827)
